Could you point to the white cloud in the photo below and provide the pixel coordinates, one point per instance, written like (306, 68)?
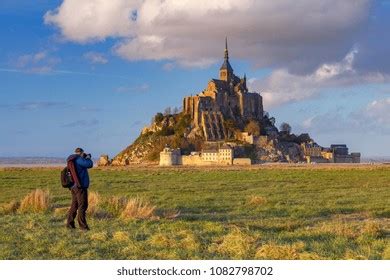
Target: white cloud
(191, 32)
(282, 87)
(378, 111)
(306, 41)
(372, 118)
(96, 58)
(93, 20)
(41, 62)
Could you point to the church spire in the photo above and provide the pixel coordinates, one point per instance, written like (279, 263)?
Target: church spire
(226, 49)
(226, 70)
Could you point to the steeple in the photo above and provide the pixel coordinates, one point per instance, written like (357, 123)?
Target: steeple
(226, 70)
(226, 50)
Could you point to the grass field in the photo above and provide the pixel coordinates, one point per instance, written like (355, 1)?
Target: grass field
(258, 213)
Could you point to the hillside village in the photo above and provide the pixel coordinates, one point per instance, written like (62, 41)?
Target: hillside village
(225, 124)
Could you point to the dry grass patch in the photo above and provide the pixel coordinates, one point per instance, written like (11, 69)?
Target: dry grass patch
(99, 236)
(61, 211)
(183, 240)
(36, 201)
(94, 209)
(372, 229)
(116, 204)
(386, 253)
(93, 202)
(281, 252)
(339, 229)
(120, 236)
(188, 240)
(162, 240)
(351, 228)
(235, 245)
(10, 207)
(139, 209)
(351, 255)
(256, 200)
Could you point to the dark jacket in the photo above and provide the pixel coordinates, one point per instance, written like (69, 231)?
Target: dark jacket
(82, 165)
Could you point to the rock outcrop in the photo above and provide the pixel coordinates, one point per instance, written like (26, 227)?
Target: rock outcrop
(104, 160)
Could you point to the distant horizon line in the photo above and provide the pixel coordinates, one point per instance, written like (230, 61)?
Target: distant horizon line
(61, 157)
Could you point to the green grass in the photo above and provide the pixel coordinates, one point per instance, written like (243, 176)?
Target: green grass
(301, 213)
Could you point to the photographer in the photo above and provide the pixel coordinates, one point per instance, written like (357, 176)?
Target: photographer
(79, 163)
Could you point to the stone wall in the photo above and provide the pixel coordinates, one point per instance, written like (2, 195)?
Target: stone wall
(242, 161)
(356, 157)
(316, 159)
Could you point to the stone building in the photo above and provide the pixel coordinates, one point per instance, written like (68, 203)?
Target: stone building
(337, 153)
(224, 155)
(224, 98)
(169, 157)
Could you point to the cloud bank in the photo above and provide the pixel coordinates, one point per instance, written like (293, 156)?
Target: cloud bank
(191, 32)
(372, 119)
(310, 45)
(282, 87)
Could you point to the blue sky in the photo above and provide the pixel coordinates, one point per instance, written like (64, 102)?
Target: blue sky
(73, 73)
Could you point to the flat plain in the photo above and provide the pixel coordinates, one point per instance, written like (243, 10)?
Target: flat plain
(261, 212)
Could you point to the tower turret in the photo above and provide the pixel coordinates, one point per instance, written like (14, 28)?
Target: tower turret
(226, 70)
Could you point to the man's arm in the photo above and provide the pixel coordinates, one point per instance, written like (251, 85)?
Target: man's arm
(84, 162)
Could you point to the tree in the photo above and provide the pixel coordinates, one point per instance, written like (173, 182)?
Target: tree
(166, 131)
(253, 128)
(183, 123)
(176, 110)
(304, 138)
(158, 118)
(167, 111)
(285, 128)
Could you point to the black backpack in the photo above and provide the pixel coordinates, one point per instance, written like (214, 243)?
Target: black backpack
(66, 178)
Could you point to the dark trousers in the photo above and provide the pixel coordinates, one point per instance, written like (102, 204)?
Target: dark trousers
(78, 207)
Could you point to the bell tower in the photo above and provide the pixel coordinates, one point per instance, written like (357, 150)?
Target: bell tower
(226, 70)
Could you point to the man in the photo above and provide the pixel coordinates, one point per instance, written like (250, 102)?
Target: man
(78, 164)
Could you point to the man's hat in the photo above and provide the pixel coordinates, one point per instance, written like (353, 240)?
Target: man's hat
(79, 150)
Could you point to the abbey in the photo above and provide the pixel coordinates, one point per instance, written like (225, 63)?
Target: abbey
(223, 99)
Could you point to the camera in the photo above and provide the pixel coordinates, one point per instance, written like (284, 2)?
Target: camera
(85, 155)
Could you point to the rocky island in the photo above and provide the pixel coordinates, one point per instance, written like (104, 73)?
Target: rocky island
(224, 117)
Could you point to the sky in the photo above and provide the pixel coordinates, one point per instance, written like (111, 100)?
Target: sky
(93, 73)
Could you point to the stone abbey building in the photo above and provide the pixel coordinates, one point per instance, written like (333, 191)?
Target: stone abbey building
(224, 98)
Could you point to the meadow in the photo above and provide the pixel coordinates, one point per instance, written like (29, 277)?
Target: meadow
(218, 213)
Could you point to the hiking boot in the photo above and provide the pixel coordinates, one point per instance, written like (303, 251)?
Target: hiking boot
(71, 226)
